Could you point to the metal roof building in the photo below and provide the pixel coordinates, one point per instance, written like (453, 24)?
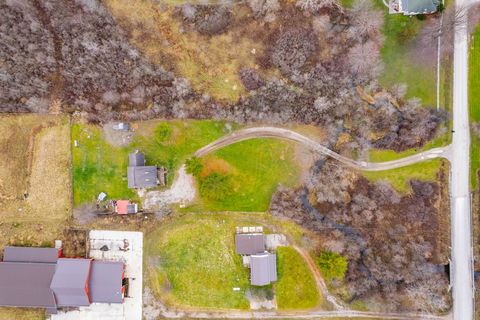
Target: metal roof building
(26, 284)
(249, 243)
(38, 278)
(104, 281)
(28, 254)
(263, 269)
(70, 282)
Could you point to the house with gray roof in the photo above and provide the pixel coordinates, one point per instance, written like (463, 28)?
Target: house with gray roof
(39, 278)
(263, 269)
(249, 243)
(413, 7)
(138, 174)
(252, 248)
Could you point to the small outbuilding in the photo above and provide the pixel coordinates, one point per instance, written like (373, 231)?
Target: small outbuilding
(125, 207)
(121, 126)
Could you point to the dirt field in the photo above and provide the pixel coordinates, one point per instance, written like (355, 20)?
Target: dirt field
(34, 168)
(35, 183)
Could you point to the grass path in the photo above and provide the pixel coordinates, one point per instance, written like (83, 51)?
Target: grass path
(474, 104)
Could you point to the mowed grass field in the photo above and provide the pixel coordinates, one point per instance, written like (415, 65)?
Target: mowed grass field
(474, 104)
(399, 178)
(191, 262)
(97, 166)
(256, 166)
(400, 33)
(296, 287)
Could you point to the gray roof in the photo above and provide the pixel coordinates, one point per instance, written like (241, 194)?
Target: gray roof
(136, 159)
(249, 243)
(30, 254)
(142, 177)
(263, 269)
(132, 208)
(419, 6)
(70, 282)
(105, 282)
(26, 284)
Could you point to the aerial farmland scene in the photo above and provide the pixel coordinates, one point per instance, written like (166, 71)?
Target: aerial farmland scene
(239, 159)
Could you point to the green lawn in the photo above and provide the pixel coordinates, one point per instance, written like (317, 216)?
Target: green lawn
(295, 288)
(198, 259)
(255, 168)
(399, 178)
(400, 67)
(191, 261)
(347, 3)
(97, 166)
(171, 143)
(474, 103)
(381, 155)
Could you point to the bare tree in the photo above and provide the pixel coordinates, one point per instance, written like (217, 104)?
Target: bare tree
(314, 6)
(366, 20)
(364, 59)
(445, 27)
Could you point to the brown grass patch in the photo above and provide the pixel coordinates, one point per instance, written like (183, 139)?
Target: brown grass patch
(35, 163)
(211, 63)
(21, 314)
(34, 160)
(212, 164)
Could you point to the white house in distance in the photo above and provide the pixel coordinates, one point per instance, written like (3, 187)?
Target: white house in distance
(413, 7)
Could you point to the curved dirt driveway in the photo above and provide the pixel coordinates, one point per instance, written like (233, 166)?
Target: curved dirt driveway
(286, 134)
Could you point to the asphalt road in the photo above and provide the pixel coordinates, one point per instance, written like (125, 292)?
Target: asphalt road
(462, 253)
(281, 133)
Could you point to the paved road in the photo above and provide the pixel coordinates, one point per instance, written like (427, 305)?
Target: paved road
(462, 253)
(274, 132)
